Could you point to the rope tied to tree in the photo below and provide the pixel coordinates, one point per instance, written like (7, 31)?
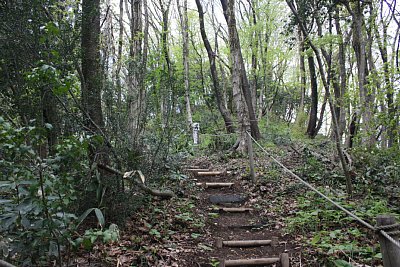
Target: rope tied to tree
(387, 227)
(349, 213)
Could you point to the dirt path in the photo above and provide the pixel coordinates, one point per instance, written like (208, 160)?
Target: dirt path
(228, 226)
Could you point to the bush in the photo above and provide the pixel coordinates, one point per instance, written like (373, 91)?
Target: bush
(38, 194)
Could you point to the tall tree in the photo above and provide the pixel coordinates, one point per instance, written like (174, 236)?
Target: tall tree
(135, 79)
(356, 9)
(182, 10)
(312, 121)
(238, 67)
(91, 83)
(214, 75)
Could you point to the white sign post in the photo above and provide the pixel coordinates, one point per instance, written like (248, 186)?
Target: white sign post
(196, 131)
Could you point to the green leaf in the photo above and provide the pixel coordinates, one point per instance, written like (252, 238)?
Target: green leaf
(316, 239)
(100, 217)
(98, 213)
(378, 256)
(195, 235)
(204, 247)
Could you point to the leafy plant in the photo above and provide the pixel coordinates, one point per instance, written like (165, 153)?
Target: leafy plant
(38, 194)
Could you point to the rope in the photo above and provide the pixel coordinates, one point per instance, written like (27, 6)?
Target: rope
(366, 224)
(388, 227)
(394, 233)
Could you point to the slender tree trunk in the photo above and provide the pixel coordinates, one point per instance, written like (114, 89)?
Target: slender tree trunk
(238, 68)
(391, 109)
(50, 116)
(312, 121)
(303, 81)
(340, 99)
(359, 46)
(185, 54)
(217, 89)
(254, 52)
(135, 80)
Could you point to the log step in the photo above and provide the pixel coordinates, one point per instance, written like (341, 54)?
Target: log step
(219, 243)
(225, 199)
(215, 185)
(223, 209)
(249, 262)
(197, 170)
(212, 173)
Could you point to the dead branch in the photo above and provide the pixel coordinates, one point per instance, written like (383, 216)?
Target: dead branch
(140, 184)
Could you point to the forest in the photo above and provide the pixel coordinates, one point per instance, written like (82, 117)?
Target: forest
(111, 109)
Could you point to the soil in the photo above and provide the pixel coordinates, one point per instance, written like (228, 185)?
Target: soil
(158, 236)
(253, 225)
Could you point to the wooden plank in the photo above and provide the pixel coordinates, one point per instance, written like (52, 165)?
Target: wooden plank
(223, 209)
(242, 243)
(213, 173)
(197, 170)
(215, 185)
(249, 262)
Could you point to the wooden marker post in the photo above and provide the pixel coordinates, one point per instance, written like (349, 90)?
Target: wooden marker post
(390, 252)
(251, 156)
(196, 131)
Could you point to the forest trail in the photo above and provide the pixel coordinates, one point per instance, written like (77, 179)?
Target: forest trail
(238, 232)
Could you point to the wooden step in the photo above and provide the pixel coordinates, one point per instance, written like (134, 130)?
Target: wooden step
(215, 185)
(212, 173)
(197, 170)
(249, 262)
(223, 209)
(225, 199)
(219, 243)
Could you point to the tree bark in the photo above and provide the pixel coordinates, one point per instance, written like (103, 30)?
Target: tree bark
(359, 46)
(135, 79)
(391, 109)
(341, 92)
(211, 57)
(185, 54)
(238, 69)
(302, 76)
(91, 83)
(312, 121)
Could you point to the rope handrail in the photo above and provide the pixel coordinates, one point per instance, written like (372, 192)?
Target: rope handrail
(337, 205)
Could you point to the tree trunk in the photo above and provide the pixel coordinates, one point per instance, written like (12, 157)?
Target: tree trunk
(312, 121)
(302, 68)
(50, 116)
(238, 68)
(359, 46)
(211, 57)
(135, 79)
(91, 84)
(254, 52)
(391, 109)
(185, 54)
(340, 95)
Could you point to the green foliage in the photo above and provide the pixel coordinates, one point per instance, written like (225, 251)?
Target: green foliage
(331, 231)
(39, 194)
(378, 169)
(214, 142)
(91, 236)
